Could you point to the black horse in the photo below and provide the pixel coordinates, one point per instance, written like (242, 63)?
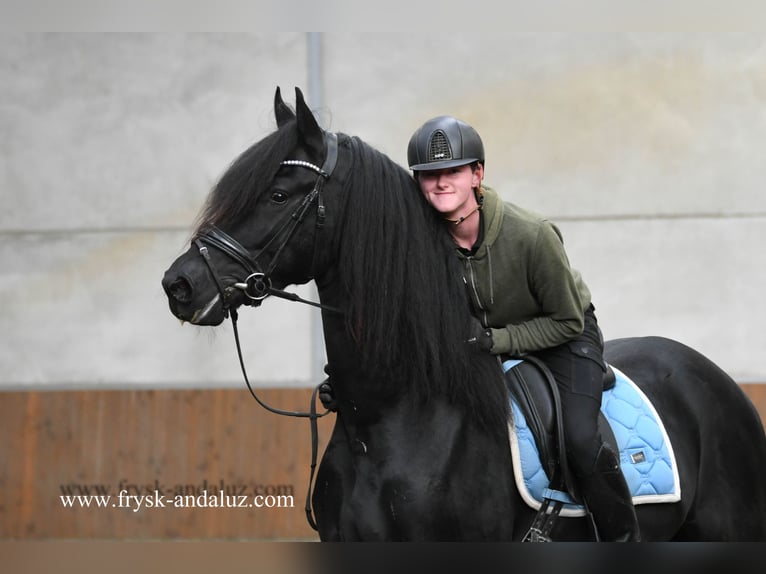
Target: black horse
(420, 450)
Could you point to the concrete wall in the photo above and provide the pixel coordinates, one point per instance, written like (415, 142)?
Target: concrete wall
(646, 148)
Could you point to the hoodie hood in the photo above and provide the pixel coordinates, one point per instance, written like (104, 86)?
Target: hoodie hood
(492, 212)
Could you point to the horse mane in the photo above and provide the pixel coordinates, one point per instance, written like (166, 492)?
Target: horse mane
(409, 309)
(408, 294)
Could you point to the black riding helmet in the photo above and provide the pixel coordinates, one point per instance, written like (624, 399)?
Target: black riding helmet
(444, 142)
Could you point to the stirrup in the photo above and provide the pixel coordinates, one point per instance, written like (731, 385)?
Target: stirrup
(545, 519)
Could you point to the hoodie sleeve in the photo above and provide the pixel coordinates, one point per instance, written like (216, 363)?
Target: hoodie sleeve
(560, 294)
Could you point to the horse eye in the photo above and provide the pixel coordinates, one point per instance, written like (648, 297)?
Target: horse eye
(279, 197)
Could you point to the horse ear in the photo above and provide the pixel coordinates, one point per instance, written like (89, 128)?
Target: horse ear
(308, 127)
(282, 111)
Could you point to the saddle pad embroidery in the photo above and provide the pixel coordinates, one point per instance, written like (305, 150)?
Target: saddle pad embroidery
(646, 455)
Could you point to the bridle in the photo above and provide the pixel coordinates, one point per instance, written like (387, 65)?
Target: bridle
(257, 285)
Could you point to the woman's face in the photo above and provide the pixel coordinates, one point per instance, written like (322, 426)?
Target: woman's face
(450, 190)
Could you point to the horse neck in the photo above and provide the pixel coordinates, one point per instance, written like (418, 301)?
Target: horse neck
(361, 390)
(343, 360)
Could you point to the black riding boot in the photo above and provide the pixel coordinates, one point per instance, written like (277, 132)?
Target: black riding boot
(608, 498)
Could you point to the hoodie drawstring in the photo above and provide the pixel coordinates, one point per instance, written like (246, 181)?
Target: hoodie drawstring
(491, 281)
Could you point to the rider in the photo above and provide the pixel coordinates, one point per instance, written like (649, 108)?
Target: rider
(527, 300)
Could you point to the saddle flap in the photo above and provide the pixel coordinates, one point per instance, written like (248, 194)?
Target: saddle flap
(533, 388)
(533, 396)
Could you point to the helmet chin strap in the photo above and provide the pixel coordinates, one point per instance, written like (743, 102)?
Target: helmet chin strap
(460, 220)
(479, 204)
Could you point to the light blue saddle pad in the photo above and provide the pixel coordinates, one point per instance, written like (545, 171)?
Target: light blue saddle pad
(646, 455)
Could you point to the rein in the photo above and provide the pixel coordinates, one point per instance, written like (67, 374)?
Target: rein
(312, 415)
(257, 285)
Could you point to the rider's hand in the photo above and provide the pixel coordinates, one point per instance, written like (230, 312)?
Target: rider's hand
(480, 335)
(327, 397)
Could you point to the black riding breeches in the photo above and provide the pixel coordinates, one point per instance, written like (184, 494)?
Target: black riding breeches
(578, 367)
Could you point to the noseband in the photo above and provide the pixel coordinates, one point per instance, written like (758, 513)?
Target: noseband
(257, 285)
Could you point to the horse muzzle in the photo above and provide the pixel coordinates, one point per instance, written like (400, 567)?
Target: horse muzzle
(199, 303)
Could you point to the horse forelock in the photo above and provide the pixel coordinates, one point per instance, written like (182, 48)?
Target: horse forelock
(408, 301)
(241, 185)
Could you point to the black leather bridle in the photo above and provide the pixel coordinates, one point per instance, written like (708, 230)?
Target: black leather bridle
(257, 285)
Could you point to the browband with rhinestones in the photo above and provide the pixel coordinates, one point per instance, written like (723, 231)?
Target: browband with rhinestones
(307, 164)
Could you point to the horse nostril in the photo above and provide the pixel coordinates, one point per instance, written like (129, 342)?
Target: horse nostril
(180, 290)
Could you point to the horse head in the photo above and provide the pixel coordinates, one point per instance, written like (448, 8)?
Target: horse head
(256, 233)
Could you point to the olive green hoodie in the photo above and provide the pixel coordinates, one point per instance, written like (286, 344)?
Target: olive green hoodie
(520, 280)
